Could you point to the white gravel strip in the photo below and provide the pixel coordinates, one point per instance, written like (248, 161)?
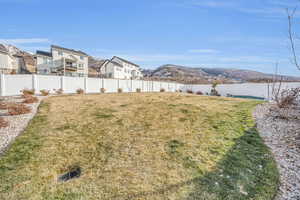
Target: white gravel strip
(282, 135)
(17, 123)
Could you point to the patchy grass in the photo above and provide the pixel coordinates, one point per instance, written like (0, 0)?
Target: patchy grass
(195, 148)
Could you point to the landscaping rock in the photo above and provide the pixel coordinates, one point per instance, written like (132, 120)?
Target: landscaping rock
(280, 129)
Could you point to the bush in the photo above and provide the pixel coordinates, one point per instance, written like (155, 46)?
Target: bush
(120, 90)
(18, 109)
(162, 90)
(3, 106)
(102, 90)
(180, 91)
(3, 123)
(59, 91)
(199, 93)
(190, 91)
(138, 90)
(27, 92)
(288, 97)
(45, 92)
(80, 91)
(30, 100)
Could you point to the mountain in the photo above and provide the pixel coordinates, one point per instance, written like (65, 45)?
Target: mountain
(208, 75)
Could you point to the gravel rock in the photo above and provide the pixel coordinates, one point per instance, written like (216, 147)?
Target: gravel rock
(280, 129)
(16, 123)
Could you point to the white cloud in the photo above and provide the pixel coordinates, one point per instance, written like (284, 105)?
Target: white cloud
(206, 51)
(25, 40)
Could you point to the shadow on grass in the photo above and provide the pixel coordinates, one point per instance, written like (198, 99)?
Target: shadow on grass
(248, 171)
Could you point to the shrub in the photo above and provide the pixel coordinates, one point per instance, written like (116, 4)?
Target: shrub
(27, 92)
(138, 90)
(30, 100)
(190, 91)
(3, 123)
(59, 91)
(80, 91)
(102, 90)
(180, 91)
(18, 109)
(3, 106)
(199, 93)
(120, 90)
(45, 92)
(162, 90)
(288, 97)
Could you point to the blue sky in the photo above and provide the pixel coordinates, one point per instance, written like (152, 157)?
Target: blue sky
(246, 34)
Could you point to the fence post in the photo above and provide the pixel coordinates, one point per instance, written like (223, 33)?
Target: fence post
(2, 85)
(131, 90)
(34, 82)
(62, 83)
(85, 84)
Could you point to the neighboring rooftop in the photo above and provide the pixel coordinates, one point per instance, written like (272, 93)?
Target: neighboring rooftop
(3, 49)
(126, 61)
(66, 49)
(44, 53)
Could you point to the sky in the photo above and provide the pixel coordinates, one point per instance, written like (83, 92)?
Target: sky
(244, 34)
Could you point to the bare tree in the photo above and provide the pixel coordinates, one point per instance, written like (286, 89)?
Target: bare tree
(292, 36)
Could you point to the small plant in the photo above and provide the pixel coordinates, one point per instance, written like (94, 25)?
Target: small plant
(199, 93)
(30, 100)
(3, 123)
(18, 109)
(3, 106)
(214, 91)
(59, 91)
(80, 91)
(102, 90)
(162, 90)
(189, 91)
(138, 90)
(180, 91)
(45, 92)
(120, 90)
(27, 92)
(287, 98)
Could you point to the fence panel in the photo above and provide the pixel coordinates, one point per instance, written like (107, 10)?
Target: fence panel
(111, 85)
(13, 84)
(71, 84)
(136, 84)
(48, 83)
(93, 85)
(125, 85)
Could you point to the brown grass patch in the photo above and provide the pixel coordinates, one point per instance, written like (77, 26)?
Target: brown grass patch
(18, 109)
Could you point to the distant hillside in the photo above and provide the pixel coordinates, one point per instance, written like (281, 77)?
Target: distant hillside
(208, 75)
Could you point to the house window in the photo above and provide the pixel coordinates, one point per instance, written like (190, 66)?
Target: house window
(60, 53)
(81, 57)
(80, 66)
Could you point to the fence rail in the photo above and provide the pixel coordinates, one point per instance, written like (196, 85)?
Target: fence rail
(11, 85)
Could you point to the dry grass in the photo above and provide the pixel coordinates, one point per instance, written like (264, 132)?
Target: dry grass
(140, 146)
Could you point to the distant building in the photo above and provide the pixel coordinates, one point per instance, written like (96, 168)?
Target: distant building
(8, 63)
(62, 61)
(121, 69)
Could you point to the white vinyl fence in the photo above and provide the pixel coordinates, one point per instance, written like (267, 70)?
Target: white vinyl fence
(11, 85)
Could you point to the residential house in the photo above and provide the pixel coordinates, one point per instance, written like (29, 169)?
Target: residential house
(121, 69)
(62, 61)
(8, 64)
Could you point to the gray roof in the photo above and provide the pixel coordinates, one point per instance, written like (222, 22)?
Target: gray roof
(72, 50)
(3, 49)
(126, 61)
(44, 53)
(113, 62)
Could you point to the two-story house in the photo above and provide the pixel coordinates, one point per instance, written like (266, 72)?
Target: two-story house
(8, 63)
(62, 61)
(121, 69)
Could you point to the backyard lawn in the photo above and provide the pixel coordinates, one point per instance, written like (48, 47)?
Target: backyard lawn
(140, 146)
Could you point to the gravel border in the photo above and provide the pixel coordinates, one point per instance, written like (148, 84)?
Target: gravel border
(280, 130)
(17, 124)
